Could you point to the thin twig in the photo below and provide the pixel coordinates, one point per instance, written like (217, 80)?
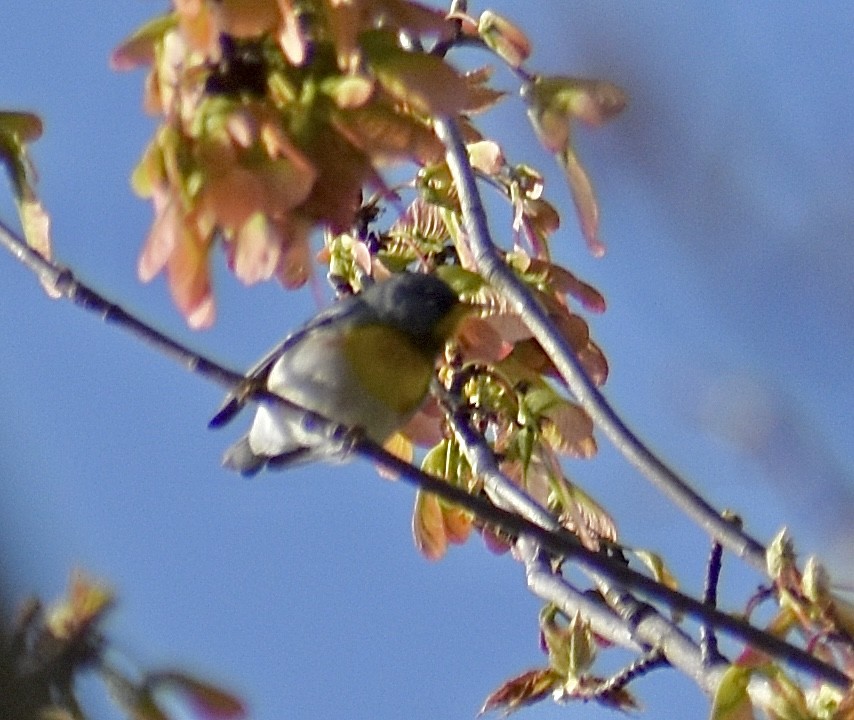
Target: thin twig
(708, 639)
(496, 272)
(560, 544)
(644, 665)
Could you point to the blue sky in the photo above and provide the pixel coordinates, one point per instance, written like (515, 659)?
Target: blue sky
(726, 205)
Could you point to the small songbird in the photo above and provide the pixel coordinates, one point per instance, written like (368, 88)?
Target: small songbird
(365, 362)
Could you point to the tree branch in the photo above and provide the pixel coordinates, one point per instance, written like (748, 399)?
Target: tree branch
(496, 272)
(560, 544)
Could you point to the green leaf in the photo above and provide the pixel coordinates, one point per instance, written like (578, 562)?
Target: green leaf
(731, 701)
(780, 555)
(503, 38)
(16, 129)
(25, 126)
(659, 570)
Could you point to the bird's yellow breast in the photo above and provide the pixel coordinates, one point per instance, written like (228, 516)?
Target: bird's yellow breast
(389, 366)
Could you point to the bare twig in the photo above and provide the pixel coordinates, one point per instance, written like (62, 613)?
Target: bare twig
(708, 640)
(496, 272)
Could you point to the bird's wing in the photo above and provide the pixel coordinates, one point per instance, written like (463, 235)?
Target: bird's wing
(256, 376)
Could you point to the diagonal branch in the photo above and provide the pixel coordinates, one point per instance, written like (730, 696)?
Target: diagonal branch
(559, 543)
(623, 620)
(496, 272)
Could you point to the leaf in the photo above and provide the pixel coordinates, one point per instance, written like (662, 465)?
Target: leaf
(24, 126)
(36, 225)
(17, 129)
(554, 100)
(342, 170)
(189, 279)
(428, 526)
(592, 687)
(569, 430)
(780, 555)
(136, 701)
(552, 103)
(504, 38)
(731, 700)
(486, 157)
(525, 689)
(145, 708)
(579, 505)
(422, 81)
(595, 364)
(348, 91)
(579, 646)
(421, 228)
(86, 604)
(414, 17)
(584, 199)
(295, 261)
(659, 570)
(139, 48)
(257, 248)
(458, 524)
(386, 134)
(565, 282)
(247, 18)
(399, 446)
(206, 699)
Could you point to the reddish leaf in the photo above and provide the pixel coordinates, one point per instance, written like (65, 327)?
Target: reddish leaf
(457, 524)
(584, 199)
(139, 48)
(295, 261)
(594, 363)
(385, 134)
(206, 699)
(413, 16)
(525, 689)
(247, 18)
(495, 543)
(565, 282)
(424, 82)
(569, 430)
(257, 249)
(189, 280)
(162, 238)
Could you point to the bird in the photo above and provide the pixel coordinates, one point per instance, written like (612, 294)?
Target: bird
(366, 362)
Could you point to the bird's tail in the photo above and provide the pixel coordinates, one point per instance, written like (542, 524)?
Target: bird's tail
(240, 457)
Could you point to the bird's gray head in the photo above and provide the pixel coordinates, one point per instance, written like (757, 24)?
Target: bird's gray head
(417, 304)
